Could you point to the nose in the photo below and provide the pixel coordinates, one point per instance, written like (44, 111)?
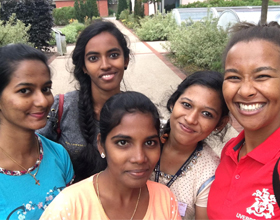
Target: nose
(191, 117)
(40, 100)
(105, 63)
(139, 155)
(247, 89)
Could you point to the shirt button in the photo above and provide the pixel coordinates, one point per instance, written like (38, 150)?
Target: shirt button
(237, 177)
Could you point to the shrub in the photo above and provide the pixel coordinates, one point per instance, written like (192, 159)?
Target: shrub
(128, 19)
(72, 31)
(121, 6)
(85, 9)
(155, 28)
(14, 31)
(111, 11)
(201, 43)
(37, 13)
(63, 15)
(138, 9)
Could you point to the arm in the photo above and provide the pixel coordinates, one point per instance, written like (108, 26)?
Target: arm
(201, 213)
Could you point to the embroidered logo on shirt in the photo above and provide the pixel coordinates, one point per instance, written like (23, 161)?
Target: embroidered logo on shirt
(263, 205)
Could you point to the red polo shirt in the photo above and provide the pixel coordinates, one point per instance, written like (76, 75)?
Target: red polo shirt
(243, 190)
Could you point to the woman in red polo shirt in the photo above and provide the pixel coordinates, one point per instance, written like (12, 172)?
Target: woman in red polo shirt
(243, 186)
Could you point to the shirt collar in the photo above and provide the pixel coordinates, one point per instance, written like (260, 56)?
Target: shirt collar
(262, 153)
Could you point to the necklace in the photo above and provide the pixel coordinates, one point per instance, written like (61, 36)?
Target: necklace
(136, 206)
(27, 171)
(184, 168)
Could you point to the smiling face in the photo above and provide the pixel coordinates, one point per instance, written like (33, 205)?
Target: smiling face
(195, 115)
(27, 99)
(104, 62)
(132, 150)
(252, 84)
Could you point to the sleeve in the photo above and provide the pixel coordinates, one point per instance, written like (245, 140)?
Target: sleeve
(59, 208)
(174, 208)
(49, 131)
(202, 198)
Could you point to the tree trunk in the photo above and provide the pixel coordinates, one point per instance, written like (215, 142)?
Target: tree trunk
(264, 11)
(155, 9)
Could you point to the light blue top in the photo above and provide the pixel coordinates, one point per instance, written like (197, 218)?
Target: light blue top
(21, 198)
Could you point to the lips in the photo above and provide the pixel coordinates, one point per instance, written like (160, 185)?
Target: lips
(107, 76)
(250, 107)
(139, 173)
(39, 115)
(186, 128)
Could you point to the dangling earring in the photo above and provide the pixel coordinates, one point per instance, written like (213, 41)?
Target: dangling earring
(164, 138)
(103, 155)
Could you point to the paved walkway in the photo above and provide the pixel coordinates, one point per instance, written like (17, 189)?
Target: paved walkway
(148, 72)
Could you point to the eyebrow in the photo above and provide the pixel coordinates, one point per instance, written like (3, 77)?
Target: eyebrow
(254, 71)
(31, 84)
(231, 70)
(214, 110)
(121, 136)
(264, 68)
(109, 51)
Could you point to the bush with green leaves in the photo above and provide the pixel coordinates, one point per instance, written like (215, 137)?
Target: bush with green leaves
(13, 31)
(85, 9)
(202, 44)
(71, 31)
(128, 19)
(122, 5)
(63, 15)
(156, 27)
(37, 13)
(226, 3)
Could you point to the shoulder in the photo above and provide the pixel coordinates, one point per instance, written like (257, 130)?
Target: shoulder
(49, 145)
(158, 189)
(73, 95)
(80, 189)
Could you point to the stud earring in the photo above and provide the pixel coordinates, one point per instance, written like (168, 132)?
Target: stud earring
(125, 68)
(103, 155)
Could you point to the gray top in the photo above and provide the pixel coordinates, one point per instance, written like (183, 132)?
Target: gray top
(71, 137)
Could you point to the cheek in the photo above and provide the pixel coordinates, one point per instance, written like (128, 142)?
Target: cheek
(154, 156)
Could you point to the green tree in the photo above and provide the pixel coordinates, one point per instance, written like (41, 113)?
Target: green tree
(91, 7)
(121, 6)
(85, 9)
(138, 9)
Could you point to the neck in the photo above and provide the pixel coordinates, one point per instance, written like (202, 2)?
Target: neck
(176, 147)
(100, 97)
(19, 144)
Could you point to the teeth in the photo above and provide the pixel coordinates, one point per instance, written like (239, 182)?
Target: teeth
(106, 76)
(250, 107)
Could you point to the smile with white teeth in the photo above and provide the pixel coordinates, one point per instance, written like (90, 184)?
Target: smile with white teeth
(252, 107)
(107, 76)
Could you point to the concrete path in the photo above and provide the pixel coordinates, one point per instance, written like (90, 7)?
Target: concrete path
(148, 72)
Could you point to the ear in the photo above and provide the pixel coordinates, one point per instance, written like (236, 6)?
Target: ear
(99, 145)
(222, 123)
(126, 62)
(85, 70)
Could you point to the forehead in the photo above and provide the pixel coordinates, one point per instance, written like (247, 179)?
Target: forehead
(30, 70)
(103, 41)
(133, 123)
(258, 52)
